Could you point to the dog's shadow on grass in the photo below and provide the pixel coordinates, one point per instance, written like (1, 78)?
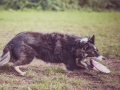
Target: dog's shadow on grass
(10, 70)
(83, 73)
(6, 69)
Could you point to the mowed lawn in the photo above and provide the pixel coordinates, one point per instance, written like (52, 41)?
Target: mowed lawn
(104, 25)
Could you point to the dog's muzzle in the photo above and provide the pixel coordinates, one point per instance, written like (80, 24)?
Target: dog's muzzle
(87, 62)
(100, 58)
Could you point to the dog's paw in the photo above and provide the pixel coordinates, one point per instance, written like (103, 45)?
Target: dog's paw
(23, 73)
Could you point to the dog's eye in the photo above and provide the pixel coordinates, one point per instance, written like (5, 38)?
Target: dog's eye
(96, 50)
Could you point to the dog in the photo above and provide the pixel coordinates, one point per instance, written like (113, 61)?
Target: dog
(50, 47)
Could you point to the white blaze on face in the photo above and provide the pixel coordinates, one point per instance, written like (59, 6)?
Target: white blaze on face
(95, 47)
(84, 40)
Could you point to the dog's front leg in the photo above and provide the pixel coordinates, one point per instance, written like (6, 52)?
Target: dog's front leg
(17, 68)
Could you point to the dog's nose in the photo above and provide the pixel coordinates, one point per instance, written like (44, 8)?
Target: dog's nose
(103, 58)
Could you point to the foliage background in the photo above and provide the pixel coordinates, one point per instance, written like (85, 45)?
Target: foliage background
(61, 5)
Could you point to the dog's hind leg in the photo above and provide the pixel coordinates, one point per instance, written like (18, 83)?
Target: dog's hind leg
(25, 56)
(17, 68)
(21, 63)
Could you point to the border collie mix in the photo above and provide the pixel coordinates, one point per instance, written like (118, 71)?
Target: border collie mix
(50, 47)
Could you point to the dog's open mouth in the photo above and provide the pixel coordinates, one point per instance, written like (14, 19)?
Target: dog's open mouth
(92, 64)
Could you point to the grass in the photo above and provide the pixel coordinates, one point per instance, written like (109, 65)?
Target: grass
(104, 25)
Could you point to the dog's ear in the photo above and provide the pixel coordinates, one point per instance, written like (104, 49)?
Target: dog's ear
(85, 46)
(92, 39)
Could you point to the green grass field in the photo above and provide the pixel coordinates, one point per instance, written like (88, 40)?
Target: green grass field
(104, 25)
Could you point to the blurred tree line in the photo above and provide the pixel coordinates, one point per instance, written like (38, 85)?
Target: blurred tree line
(61, 5)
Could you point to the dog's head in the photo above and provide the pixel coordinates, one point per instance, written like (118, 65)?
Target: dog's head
(86, 51)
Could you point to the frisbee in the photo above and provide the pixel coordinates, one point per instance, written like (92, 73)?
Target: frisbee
(100, 67)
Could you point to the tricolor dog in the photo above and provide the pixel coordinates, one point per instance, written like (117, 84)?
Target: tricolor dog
(50, 47)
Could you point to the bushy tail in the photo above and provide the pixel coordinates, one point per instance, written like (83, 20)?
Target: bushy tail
(4, 58)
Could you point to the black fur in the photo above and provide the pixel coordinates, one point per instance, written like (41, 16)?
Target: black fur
(49, 47)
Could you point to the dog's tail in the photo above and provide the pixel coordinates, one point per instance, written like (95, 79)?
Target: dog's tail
(5, 58)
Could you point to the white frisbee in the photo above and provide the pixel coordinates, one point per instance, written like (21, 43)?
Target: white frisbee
(100, 67)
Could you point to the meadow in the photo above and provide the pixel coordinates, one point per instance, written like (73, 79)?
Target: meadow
(41, 76)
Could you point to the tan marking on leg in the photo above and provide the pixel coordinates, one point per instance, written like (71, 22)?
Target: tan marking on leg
(81, 63)
(86, 54)
(64, 67)
(19, 71)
